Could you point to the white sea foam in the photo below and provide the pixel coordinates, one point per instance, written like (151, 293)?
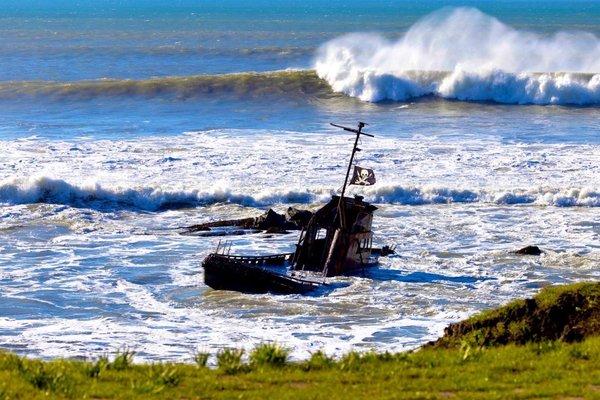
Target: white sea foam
(92, 281)
(58, 191)
(89, 281)
(134, 175)
(466, 55)
(393, 194)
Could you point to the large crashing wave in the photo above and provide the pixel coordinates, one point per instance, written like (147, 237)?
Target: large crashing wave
(483, 60)
(58, 191)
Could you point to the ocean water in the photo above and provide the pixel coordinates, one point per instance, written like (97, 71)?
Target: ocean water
(123, 121)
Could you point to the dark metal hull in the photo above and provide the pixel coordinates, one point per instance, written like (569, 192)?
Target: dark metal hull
(254, 275)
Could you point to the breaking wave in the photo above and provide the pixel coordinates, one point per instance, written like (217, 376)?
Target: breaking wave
(58, 191)
(464, 54)
(393, 194)
(279, 83)
(458, 54)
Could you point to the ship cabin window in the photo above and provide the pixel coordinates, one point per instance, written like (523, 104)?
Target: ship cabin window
(321, 234)
(364, 245)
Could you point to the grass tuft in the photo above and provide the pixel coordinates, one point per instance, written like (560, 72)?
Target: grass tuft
(201, 359)
(543, 347)
(351, 361)
(230, 361)
(318, 361)
(577, 353)
(93, 369)
(52, 377)
(269, 354)
(10, 361)
(123, 360)
(165, 375)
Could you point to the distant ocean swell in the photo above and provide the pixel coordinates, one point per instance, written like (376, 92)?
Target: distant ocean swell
(367, 85)
(57, 191)
(163, 50)
(456, 54)
(278, 83)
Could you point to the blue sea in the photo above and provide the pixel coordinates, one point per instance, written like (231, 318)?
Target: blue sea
(122, 122)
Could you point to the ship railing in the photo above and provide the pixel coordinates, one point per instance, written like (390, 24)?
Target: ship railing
(258, 260)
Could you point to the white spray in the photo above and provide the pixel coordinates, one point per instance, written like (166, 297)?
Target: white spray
(464, 54)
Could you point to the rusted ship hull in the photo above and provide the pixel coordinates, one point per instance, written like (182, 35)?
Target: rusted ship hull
(254, 275)
(336, 239)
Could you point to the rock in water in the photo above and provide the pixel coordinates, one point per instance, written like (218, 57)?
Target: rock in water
(270, 219)
(300, 218)
(246, 223)
(529, 251)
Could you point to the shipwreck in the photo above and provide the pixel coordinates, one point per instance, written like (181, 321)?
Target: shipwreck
(336, 240)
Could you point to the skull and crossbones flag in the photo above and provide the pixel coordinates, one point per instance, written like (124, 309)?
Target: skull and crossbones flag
(362, 176)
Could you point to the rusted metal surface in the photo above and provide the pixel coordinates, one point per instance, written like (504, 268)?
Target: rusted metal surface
(335, 240)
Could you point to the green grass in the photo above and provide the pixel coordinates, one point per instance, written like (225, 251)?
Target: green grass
(269, 355)
(468, 363)
(566, 312)
(539, 370)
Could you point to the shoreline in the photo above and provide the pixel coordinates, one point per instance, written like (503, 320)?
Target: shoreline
(474, 359)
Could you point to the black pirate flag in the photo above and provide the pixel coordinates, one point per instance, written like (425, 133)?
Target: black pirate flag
(362, 176)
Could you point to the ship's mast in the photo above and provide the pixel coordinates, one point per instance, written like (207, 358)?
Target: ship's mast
(358, 132)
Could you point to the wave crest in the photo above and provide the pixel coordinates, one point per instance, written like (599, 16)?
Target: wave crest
(464, 54)
(281, 83)
(57, 191)
(571, 197)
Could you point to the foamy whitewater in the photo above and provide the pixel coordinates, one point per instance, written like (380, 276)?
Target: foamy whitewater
(413, 171)
(464, 54)
(486, 140)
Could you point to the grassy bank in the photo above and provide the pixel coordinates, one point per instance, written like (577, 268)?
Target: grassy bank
(547, 370)
(461, 367)
(568, 313)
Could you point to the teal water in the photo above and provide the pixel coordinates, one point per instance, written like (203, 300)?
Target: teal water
(132, 39)
(71, 42)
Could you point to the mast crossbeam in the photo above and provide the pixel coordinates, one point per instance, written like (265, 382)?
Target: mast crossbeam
(355, 148)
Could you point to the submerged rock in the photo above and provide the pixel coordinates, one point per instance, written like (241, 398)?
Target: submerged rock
(240, 223)
(529, 251)
(387, 251)
(271, 222)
